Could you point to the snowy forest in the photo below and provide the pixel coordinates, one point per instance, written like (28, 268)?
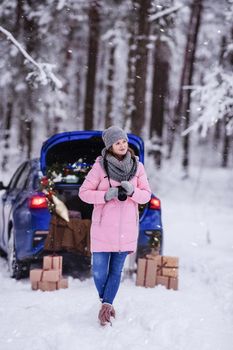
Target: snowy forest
(159, 69)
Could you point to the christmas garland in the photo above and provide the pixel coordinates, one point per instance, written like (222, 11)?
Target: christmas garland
(68, 173)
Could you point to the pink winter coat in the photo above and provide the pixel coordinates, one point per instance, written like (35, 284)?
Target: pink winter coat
(115, 223)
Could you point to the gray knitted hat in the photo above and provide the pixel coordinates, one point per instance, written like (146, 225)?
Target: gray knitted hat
(112, 135)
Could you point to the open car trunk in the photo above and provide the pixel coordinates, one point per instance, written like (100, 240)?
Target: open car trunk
(69, 195)
(68, 157)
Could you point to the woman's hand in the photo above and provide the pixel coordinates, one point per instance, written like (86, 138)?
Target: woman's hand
(111, 193)
(128, 187)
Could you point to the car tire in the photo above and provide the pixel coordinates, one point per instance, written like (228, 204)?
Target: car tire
(2, 253)
(15, 268)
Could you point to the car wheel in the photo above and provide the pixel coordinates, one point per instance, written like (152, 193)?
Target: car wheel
(2, 253)
(14, 267)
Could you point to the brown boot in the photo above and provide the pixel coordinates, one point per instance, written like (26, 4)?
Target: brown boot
(105, 314)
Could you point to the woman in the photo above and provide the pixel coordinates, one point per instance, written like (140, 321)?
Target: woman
(116, 184)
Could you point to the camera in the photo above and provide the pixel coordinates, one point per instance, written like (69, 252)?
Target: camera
(122, 196)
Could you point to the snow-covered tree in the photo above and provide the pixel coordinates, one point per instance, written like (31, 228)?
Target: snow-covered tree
(215, 101)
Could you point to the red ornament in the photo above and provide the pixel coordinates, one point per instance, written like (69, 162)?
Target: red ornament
(44, 181)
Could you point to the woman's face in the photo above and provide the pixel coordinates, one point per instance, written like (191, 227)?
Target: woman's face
(120, 147)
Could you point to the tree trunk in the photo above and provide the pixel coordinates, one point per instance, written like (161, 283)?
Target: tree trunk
(28, 132)
(217, 133)
(138, 113)
(94, 19)
(182, 109)
(8, 118)
(79, 80)
(110, 77)
(129, 97)
(218, 124)
(6, 135)
(227, 62)
(31, 34)
(19, 16)
(159, 94)
(68, 55)
(226, 145)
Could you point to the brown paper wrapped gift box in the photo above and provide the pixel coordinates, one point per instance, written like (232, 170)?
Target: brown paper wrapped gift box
(167, 266)
(72, 236)
(52, 263)
(168, 282)
(50, 277)
(154, 270)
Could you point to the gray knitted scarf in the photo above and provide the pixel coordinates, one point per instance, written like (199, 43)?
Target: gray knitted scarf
(119, 170)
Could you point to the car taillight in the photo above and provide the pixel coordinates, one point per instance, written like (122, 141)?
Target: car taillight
(38, 202)
(154, 203)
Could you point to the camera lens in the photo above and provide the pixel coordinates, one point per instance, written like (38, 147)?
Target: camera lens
(122, 196)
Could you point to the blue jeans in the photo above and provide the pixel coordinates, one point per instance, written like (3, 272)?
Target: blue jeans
(107, 268)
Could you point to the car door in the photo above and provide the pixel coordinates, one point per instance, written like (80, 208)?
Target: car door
(9, 199)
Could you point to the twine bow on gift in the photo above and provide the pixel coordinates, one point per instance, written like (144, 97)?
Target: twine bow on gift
(161, 266)
(165, 265)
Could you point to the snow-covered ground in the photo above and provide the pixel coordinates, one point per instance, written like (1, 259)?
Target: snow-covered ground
(198, 225)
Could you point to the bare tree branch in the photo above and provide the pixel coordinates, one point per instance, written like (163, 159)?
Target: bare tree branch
(44, 74)
(165, 12)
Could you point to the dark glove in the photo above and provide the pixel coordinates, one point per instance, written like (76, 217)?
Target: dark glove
(128, 187)
(111, 193)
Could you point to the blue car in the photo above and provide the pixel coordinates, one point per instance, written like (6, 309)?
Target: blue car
(24, 214)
